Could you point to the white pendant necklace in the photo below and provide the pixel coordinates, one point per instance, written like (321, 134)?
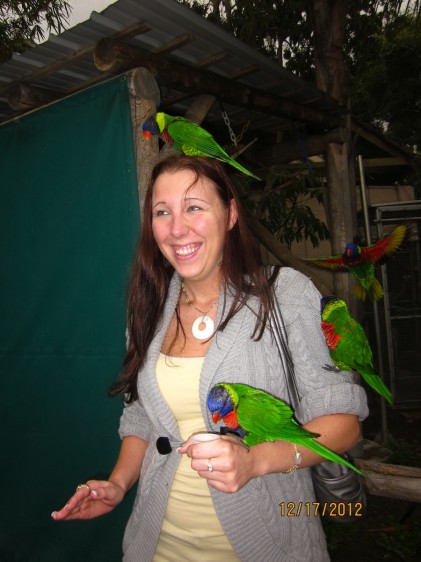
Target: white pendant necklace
(203, 327)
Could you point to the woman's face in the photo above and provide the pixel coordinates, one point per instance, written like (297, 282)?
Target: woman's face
(189, 223)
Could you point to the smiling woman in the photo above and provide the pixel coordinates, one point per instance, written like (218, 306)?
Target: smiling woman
(198, 311)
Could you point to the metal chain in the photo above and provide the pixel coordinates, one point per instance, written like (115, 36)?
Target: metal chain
(246, 126)
(228, 124)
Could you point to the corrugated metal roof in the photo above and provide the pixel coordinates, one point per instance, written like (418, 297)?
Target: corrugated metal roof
(204, 45)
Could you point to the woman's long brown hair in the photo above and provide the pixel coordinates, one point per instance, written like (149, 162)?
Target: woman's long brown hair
(241, 271)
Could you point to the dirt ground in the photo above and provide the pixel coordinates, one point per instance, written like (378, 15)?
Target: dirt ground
(391, 529)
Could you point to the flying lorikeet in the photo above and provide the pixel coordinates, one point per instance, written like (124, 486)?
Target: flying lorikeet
(189, 138)
(348, 344)
(257, 416)
(360, 261)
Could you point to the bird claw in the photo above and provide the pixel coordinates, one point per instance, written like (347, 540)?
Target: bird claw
(332, 368)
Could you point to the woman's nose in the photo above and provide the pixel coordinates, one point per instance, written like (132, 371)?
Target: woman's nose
(179, 225)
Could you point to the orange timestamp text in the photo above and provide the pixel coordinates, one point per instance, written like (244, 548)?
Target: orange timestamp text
(324, 509)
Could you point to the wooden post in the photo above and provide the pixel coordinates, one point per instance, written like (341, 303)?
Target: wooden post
(328, 18)
(145, 96)
(339, 213)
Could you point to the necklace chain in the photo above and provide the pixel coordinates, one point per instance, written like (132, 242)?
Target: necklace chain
(191, 303)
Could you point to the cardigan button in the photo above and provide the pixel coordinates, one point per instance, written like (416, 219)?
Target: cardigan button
(163, 446)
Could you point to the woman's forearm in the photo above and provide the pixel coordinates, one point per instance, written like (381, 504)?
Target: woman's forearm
(127, 468)
(338, 432)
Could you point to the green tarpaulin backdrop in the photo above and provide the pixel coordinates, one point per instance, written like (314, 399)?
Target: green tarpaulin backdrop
(69, 219)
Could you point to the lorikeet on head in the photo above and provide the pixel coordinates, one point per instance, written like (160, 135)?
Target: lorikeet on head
(189, 138)
(348, 344)
(259, 417)
(360, 261)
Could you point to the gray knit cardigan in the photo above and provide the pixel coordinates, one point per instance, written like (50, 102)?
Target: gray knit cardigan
(252, 518)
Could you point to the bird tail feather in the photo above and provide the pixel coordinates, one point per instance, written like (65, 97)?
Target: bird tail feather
(242, 169)
(376, 290)
(377, 384)
(328, 454)
(359, 292)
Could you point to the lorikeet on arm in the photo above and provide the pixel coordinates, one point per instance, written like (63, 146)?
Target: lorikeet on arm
(348, 344)
(259, 417)
(189, 138)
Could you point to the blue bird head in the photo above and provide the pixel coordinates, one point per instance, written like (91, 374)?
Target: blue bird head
(221, 401)
(150, 127)
(352, 250)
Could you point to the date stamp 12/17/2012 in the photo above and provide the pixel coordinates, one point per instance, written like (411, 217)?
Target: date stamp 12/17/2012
(323, 509)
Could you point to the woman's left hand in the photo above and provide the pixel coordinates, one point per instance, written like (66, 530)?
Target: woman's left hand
(226, 463)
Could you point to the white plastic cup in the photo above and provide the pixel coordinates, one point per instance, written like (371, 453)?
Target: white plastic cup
(204, 437)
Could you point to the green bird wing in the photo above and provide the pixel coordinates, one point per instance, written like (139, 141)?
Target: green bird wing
(264, 417)
(352, 349)
(193, 140)
(381, 250)
(267, 418)
(334, 263)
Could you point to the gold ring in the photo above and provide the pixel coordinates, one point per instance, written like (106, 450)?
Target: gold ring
(80, 486)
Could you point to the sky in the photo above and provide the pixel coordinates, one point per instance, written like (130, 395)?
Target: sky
(81, 9)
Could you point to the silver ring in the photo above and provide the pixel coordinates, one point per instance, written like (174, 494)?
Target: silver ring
(210, 467)
(80, 486)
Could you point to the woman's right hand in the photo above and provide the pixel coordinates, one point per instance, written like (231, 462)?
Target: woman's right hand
(92, 499)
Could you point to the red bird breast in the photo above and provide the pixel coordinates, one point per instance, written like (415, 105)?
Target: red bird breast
(231, 420)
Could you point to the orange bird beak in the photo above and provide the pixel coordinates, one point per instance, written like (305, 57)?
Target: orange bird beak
(216, 418)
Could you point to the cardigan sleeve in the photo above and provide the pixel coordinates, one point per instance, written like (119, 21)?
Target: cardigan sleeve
(322, 392)
(134, 421)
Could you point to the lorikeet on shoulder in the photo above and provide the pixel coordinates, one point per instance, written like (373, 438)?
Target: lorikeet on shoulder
(348, 344)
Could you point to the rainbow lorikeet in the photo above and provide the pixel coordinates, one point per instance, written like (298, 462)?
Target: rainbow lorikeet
(360, 261)
(189, 138)
(348, 344)
(258, 416)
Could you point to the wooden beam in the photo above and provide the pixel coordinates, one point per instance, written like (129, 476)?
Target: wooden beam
(212, 59)
(57, 65)
(283, 254)
(23, 97)
(391, 480)
(115, 57)
(381, 142)
(287, 151)
(384, 162)
(174, 44)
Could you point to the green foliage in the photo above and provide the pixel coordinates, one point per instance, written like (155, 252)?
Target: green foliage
(403, 453)
(387, 86)
(23, 23)
(283, 207)
(382, 52)
(403, 544)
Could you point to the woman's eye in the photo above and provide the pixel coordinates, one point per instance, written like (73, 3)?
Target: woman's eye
(194, 208)
(161, 213)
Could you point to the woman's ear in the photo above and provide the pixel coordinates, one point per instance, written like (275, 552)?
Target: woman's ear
(233, 214)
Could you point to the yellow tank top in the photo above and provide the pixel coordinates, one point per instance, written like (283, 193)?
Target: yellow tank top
(191, 531)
